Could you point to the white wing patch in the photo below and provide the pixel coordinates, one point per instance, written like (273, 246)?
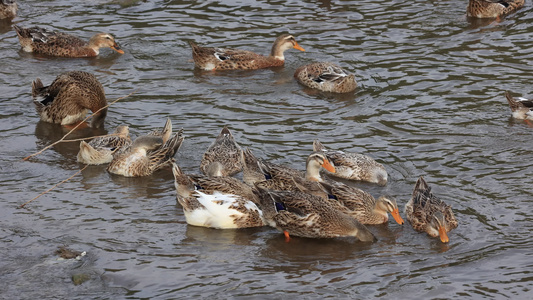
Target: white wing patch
(218, 212)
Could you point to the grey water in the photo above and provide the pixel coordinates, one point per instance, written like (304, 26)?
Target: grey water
(430, 102)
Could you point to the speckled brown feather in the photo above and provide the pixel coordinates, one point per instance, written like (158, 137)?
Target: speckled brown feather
(8, 9)
(285, 179)
(68, 98)
(423, 204)
(251, 173)
(54, 43)
(305, 215)
(353, 166)
(327, 77)
(492, 8)
(360, 204)
(100, 150)
(233, 59)
(226, 185)
(521, 109)
(130, 163)
(224, 150)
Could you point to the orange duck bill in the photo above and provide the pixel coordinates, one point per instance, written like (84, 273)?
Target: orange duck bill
(328, 166)
(116, 47)
(298, 47)
(396, 215)
(443, 234)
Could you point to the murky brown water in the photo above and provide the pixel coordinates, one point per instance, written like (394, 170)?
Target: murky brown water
(430, 102)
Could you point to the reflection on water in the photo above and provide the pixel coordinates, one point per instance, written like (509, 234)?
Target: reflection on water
(430, 101)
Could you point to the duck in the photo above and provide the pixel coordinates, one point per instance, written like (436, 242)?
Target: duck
(234, 59)
(521, 108)
(216, 202)
(68, 99)
(100, 150)
(362, 205)
(147, 154)
(327, 77)
(251, 173)
(8, 9)
(305, 215)
(54, 43)
(277, 177)
(353, 166)
(492, 8)
(427, 213)
(224, 150)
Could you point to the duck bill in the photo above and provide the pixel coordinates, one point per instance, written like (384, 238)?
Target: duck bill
(328, 166)
(298, 47)
(116, 47)
(396, 215)
(443, 234)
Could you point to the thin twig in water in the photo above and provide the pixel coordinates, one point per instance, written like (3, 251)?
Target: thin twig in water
(90, 137)
(22, 206)
(63, 138)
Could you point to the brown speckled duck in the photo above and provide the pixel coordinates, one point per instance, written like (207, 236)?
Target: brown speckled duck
(67, 100)
(216, 202)
(521, 108)
(304, 215)
(362, 205)
(100, 150)
(353, 166)
(429, 214)
(8, 9)
(54, 43)
(492, 8)
(327, 77)
(234, 59)
(224, 150)
(286, 179)
(147, 154)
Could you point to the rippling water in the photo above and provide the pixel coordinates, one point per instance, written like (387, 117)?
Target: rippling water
(430, 102)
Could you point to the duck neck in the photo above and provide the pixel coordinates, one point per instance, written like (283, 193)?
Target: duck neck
(380, 212)
(277, 52)
(312, 172)
(99, 118)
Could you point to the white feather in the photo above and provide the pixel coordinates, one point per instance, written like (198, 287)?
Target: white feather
(218, 212)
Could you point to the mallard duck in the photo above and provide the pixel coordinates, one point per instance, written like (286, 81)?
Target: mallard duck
(353, 166)
(306, 215)
(428, 213)
(521, 108)
(281, 178)
(224, 150)
(67, 100)
(100, 150)
(362, 205)
(327, 77)
(492, 8)
(54, 43)
(147, 154)
(233, 59)
(314, 163)
(251, 173)
(66, 253)
(216, 202)
(8, 9)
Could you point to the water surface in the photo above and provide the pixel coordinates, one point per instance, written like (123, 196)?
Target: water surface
(430, 102)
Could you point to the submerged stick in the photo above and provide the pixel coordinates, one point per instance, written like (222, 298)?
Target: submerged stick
(22, 205)
(75, 127)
